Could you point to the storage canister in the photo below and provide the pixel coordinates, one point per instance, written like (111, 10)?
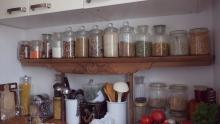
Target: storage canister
(96, 42)
(47, 48)
(68, 43)
(36, 49)
(160, 41)
(24, 49)
(111, 41)
(81, 44)
(57, 45)
(143, 43)
(199, 41)
(126, 41)
(179, 43)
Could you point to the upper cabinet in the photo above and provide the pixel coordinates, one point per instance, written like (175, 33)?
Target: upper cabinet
(49, 6)
(13, 8)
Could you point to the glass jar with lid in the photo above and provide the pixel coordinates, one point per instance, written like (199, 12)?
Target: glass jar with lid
(81, 44)
(57, 45)
(143, 42)
(24, 49)
(179, 43)
(126, 41)
(199, 41)
(96, 42)
(47, 48)
(157, 95)
(178, 99)
(36, 49)
(110, 41)
(68, 43)
(160, 41)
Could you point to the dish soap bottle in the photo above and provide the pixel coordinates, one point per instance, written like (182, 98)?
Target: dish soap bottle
(25, 95)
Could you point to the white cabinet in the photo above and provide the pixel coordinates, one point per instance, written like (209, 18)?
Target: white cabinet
(13, 8)
(49, 6)
(99, 3)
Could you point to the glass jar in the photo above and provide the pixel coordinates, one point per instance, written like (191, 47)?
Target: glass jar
(179, 43)
(143, 43)
(126, 41)
(24, 50)
(47, 48)
(96, 42)
(111, 41)
(68, 43)
(81, 44)
(36, 49)
(57, 107)
(160, 41)
(157, 95)
(178, 98)
(199, 41)
(57, 45)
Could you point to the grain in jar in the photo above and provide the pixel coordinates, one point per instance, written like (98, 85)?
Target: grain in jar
(81, 44)
(199, 41)
(179, 45)
(143, 43)
(68, 43)
(96, 42)
(111, 41)
(126, 41)
(47, 48)
(57, 45)
(160, 41)
(24, 50)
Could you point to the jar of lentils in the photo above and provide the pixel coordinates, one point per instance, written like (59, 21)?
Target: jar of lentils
(68, 43)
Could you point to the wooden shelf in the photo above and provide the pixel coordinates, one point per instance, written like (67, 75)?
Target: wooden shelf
(117, 65)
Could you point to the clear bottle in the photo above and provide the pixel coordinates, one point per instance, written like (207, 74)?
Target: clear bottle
(81, 44)
(179, 43)
(36, 49)
(126, 41)
(25, 94)
(143, 42)
(160, 41)
(57, 45)
(24, 50)
(96, 42)
(68, 43)
(111, 41)
(47, 48)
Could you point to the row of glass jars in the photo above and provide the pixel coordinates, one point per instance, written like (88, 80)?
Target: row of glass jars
(110, 43)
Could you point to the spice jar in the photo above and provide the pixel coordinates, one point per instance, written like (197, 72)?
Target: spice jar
(143, 43)
(157, 95)
(57, 107)
(199, 41)
(96, 42)
(200, 93)
(179, 43)
(81, 44)
(160, 41)
(47, 48)
(57, 45)
(24, 50)
(178, 99)
(36, 49)
(68, 43)
(111, 41)
(126, 41)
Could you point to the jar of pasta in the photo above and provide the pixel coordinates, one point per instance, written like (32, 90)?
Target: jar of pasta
(81, 44)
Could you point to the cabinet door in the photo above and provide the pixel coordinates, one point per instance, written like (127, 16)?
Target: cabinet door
(13, 8)
(49, 6)
(99, 3)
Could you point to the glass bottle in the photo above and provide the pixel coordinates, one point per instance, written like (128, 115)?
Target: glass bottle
(111, 41)
(81, 44)
(179, 43)
(68, 43)
(57, 45)
(47, 49)
(160, 41)
(24, 50)
(96, 42)
(25, 94)
(126, 41)
(143, 43)
(36, 49)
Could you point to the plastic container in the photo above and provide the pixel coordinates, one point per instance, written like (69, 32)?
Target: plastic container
(96, 42)
(81, 44)
(143, 42)
(160, 41)
(179, 45)
(24, 50)
(68, 43)
(111, 41)
(36, 49)
(57, 45)
(126, 41)
(47, 46)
